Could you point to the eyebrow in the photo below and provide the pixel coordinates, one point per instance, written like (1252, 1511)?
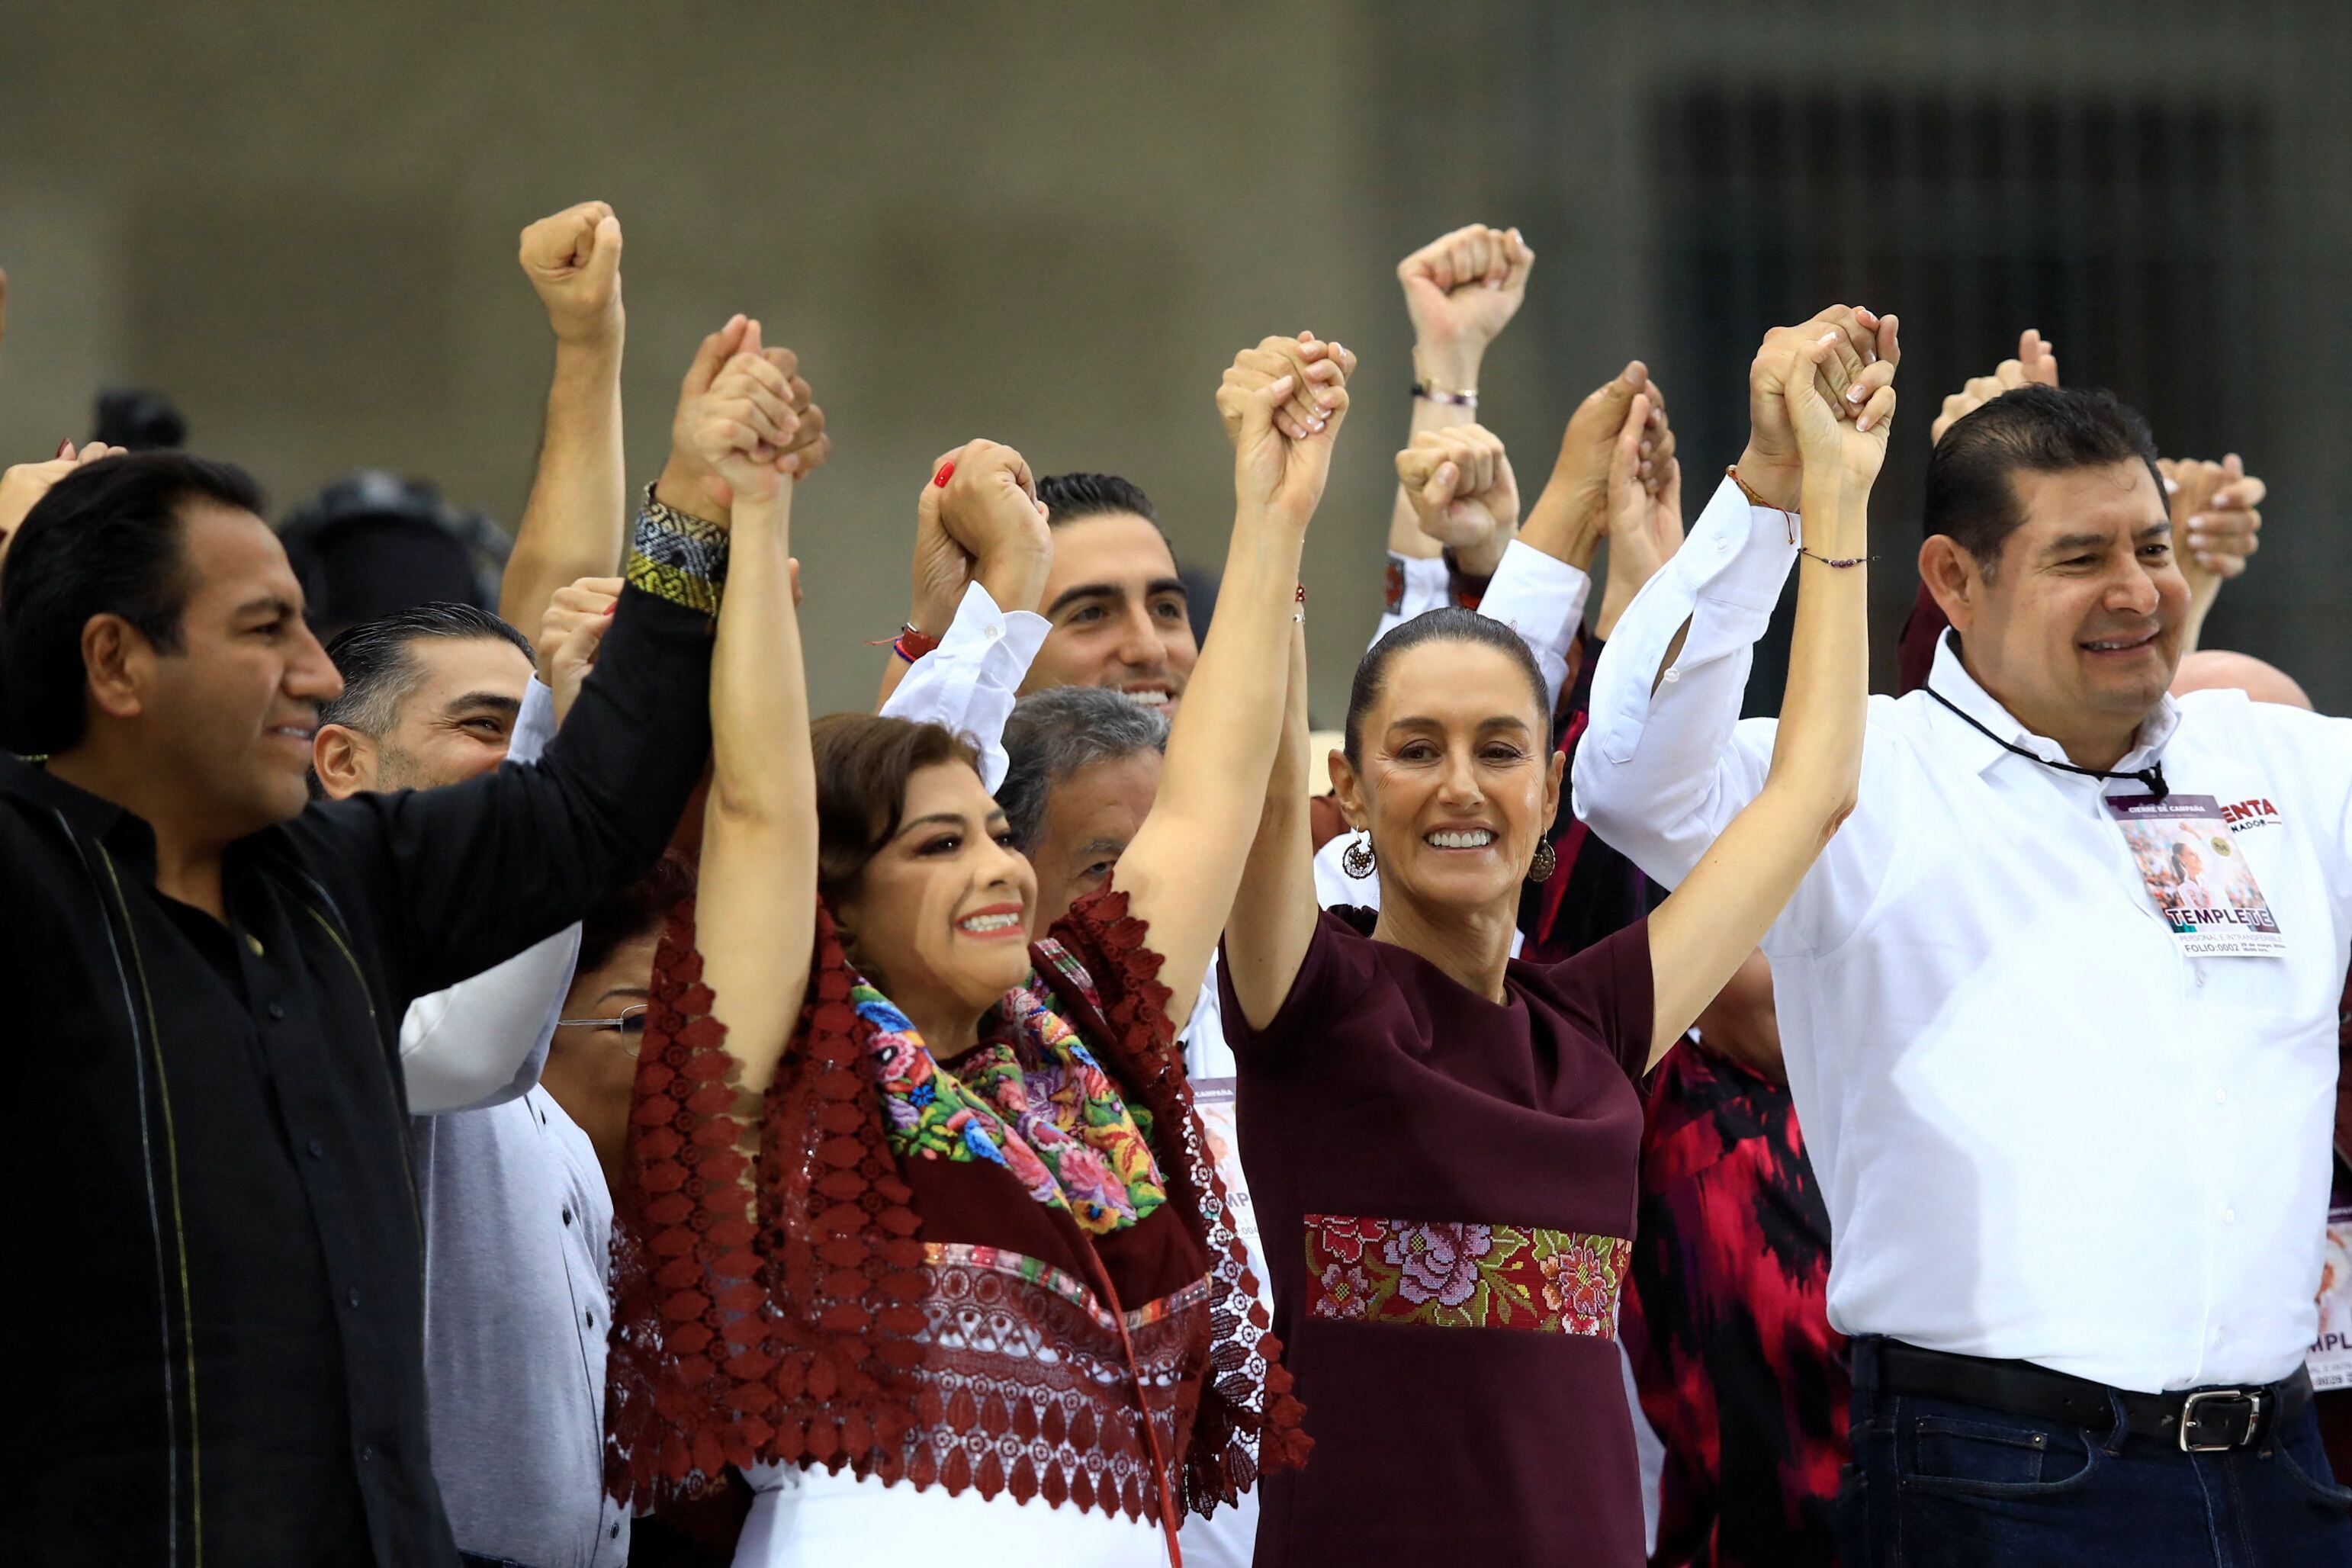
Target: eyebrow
(270, 604)
(1151, 590)
(1499, 721)
(944, 819)
(1102, 847)
(637, 991)
(496, 701)
(2067, 542)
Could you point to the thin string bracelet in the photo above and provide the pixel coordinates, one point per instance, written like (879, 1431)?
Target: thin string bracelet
(1790, 518)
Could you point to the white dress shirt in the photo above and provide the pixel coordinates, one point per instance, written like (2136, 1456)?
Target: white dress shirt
(969, 682)
(483, 1040)
(2043, 1132)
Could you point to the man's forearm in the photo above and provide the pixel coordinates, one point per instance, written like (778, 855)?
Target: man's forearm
(574, 525)
(1405, 537)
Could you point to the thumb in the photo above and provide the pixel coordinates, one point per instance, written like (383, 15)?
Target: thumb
(751, 343)
(604, 253)
(1437, 491)
(1625, 457)
(716, 350)
(1257, 409)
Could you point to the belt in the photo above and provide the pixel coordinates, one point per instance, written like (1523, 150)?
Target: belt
(2201, 1420)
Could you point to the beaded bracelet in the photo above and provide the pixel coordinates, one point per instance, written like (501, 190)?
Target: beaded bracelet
(1791, 519)
(1436, 394)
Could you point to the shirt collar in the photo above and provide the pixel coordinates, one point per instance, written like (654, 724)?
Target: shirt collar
(1952, 682)
(93, 817)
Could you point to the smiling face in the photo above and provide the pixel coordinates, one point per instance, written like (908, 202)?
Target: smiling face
(942, 914)
(1117, 612)
(229, 717)
(2077, 630)
(454, 722)
(1457, 783)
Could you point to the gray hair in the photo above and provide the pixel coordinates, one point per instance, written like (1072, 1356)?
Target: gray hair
(1055, 735)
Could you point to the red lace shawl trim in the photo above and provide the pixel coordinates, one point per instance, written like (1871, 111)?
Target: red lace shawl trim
(795, 1337)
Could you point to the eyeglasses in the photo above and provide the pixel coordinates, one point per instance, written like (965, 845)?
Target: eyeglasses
(628, 1021)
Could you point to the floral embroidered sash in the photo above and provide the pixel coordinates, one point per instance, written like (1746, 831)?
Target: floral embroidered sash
(1036, 1102)
(1463, 1275)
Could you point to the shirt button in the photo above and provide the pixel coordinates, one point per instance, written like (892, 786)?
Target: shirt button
(367, 1452)
(2229, 1217)
(276, 1012)
(1672, 676)
(614, 1534)
(318, 1150)
(352, 1296)
(1723, 545)
(994, 633)
(2201, 976)
(2221, 1096)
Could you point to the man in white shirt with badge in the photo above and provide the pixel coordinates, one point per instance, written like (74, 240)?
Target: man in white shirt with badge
(2075, 1153)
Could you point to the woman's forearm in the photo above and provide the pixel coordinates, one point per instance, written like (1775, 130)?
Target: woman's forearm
(759, 691)
(1817, 754)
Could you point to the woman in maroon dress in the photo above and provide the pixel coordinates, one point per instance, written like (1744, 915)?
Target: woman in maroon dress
(924, 1236)
(1442, 1141)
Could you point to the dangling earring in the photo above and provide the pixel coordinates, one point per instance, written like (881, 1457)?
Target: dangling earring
(1546, 862)
(1357, 858)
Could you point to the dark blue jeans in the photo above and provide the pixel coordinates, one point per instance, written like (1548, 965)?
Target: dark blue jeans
(1934, 1483)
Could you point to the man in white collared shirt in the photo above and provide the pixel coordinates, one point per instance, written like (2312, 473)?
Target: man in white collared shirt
(2073, 1164)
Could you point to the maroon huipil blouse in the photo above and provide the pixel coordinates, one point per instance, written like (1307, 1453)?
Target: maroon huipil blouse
(1447, 1189)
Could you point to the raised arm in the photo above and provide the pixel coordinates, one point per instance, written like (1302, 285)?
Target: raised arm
(1182, 869)
(756, 905)
(1701, 935)
(1272, 922)
(1461, 289)
(978, 523)
(573, 524)
(1666, 761)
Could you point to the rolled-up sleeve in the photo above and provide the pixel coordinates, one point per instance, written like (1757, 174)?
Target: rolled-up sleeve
(1666, 761)
(969, 683)
(1541, 597)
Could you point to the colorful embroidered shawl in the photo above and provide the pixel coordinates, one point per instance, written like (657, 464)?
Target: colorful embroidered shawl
(797, 1334)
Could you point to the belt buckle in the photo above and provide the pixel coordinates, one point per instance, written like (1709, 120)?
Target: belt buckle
(2251, 1398)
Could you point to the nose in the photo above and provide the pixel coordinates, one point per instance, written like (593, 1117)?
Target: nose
(1139, 640)
(310, 675)
(2132, 590)
(1460, 785)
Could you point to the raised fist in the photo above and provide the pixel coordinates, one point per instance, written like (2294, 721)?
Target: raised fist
(573, 260)
(2036, 365)
(1276, 472)
(1460, 484)
(2216, 520)
(740, 427)
(570, 634)
(1317, 369)
(1853, 354)
(1460, 290)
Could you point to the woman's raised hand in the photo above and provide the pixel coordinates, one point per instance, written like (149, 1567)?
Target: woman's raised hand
(1846, 434)
(1280, 462)
(744, 424)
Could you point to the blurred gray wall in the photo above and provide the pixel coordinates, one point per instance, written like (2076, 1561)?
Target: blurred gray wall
(1053, 226)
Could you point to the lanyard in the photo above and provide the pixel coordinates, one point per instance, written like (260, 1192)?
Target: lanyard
(2151, 775)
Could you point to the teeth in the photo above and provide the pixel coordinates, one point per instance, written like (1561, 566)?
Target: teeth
(1475, 839)
(1147, 698)
(981, 925)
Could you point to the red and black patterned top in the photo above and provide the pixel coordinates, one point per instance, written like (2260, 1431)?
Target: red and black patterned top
(1727, 1323)
(1130, 1369)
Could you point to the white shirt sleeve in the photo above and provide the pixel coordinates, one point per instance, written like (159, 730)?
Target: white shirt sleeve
(969, 682)
(1541, 597)
(1659, 776)
(1417, 585)
(483, 1040)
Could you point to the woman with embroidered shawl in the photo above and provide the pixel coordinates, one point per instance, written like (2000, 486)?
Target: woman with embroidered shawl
(1442, 1141)
(927, 1240)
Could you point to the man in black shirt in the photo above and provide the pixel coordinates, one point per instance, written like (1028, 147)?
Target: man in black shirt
(203, 1133)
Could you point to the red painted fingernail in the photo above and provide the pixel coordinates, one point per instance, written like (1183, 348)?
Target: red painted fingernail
(947, 472)
(64, 449)
(611, 607)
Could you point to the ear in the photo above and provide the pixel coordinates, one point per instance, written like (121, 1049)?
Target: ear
(120, 664)
(1552, 776)
(344, 760)
(1953, 577)
(1350, 791)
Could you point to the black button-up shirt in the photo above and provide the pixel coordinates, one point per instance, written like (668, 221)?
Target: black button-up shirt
(216, 1253)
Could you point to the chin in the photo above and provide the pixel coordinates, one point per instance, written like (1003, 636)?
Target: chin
(1465, 888)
